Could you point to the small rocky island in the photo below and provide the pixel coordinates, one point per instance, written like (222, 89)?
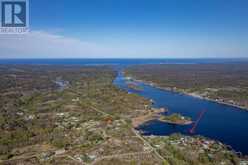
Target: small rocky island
(176, 118)
(134, 86)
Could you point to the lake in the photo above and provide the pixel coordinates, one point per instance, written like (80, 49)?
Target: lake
(221, 122)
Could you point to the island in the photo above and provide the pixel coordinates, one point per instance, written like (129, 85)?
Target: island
(134, 86)
(86, 119)
(149, 115)
(176, 119)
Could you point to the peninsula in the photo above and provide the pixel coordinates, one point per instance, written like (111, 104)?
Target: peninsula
(87, 120)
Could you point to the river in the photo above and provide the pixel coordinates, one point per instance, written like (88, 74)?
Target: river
(220, 122)
(224, 123)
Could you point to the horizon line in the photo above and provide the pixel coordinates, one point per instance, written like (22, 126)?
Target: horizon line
(123, 58)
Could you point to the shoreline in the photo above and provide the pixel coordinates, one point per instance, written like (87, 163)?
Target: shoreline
(177, 123)
(188, 94)
(240, 154)
(156, 114)
(153, 114)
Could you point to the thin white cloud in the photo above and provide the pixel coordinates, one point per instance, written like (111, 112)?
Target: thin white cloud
(40, 44)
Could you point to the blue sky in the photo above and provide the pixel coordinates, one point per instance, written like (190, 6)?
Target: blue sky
(132, 29)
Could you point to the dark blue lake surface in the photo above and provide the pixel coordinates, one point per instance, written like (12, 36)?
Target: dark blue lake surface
(221, 122)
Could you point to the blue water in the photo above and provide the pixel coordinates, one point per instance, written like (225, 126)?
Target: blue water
(221, 122)
(122, 62)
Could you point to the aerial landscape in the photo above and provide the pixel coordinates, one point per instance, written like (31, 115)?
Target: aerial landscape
(77, 115)
(124, 82)
(224, 83)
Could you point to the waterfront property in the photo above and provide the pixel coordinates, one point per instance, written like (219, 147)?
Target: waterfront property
(213, 124)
